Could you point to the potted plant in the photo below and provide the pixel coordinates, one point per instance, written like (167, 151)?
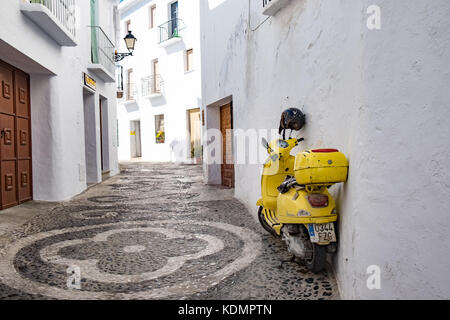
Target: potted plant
(160, 137)
(198, 154)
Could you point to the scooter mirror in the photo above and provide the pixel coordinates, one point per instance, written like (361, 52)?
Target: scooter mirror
(264, 143)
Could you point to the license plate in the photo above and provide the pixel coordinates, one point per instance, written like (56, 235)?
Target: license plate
(322, 233)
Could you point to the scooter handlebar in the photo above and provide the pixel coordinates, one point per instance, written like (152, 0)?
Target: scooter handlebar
(301, 139)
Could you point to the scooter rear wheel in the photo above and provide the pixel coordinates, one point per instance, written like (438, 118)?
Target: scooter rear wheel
(318, 261)
(263, 222)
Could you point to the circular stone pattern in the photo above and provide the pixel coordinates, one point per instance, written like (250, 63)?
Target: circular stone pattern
(94, 214)
(98, 214)
(129, 260)
(133, 249)
(107, 199)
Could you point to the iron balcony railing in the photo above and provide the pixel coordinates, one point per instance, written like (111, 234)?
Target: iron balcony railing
(63, 11)
(152, 85)
(170, 29)
(103, 50)
(131, 91)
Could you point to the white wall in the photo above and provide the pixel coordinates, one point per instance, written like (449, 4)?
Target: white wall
(181, 91)
(57, 97)
(379, 96)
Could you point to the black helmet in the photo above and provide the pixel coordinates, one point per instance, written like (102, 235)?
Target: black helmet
(292, 119)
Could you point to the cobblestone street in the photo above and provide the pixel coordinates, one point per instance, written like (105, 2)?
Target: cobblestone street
(153, 232)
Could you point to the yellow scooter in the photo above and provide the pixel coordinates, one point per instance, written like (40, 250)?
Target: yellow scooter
(295, 202)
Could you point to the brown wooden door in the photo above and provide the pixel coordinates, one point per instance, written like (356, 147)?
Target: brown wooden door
(195, 130)
(227, 146)
(15, 137)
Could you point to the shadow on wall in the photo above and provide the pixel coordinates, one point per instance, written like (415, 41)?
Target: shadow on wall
(176, 47)
(43, 131)
(158, 101)
(132, 107)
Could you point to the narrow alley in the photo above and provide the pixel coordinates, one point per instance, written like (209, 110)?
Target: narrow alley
(152, 232)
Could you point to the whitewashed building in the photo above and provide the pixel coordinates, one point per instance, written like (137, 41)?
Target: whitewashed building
(159, 112)
(57, 97)
(372, 78)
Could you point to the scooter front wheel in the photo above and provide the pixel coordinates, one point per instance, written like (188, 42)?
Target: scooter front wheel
(318, 259)
(263, 222)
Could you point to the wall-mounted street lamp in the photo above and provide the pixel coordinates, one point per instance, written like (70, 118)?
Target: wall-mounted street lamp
(130, 41)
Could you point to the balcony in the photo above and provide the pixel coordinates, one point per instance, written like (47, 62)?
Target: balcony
(152, 86)
(169, 32)
(131, 93)
(54, 17)
(102, 55)
(271, 7)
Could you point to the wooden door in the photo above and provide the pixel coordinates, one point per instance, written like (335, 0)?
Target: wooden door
(135, 136)
(195, 130)
(15, 137)
(226, 127)
(138, 139)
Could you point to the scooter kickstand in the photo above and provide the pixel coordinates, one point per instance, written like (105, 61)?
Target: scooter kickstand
(284, 261)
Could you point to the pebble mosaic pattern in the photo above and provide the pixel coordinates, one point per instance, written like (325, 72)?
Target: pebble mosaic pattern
(153, 232)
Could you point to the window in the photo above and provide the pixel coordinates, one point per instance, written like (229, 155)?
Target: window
(174, 19)
(152, 17)
(155, 67)
(119, 81)
(156, 78)
(130, 93)
(174, 10)
(160, 133)
(189, 60)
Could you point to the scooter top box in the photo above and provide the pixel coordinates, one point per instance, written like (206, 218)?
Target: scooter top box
(320, 167)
